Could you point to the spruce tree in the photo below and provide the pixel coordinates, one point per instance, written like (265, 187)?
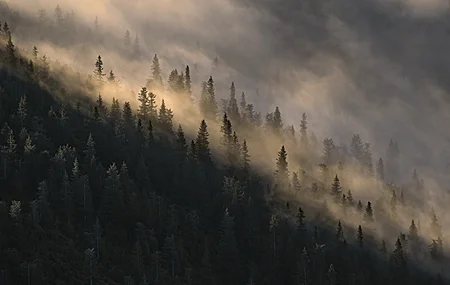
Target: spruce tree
(10, 51)
(339, 232)
(282, 172)
(304, 132)
(232, 107)
(359, 237)
(336, 188)
(143, 109)
(368, 214)
(211, 111)
(202, 144)
(188, 83)
(245, 157)
(300, 219)
(156, 73)
(98, 72)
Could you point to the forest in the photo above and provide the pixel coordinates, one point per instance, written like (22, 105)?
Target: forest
(166, 186)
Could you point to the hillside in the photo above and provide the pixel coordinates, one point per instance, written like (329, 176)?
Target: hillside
(100, 190)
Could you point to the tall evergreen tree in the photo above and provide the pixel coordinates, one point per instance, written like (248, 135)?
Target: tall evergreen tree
(202, 144)
(282, 172)
(98, 72)
(368, 214)
(359, 237)
(304, 132)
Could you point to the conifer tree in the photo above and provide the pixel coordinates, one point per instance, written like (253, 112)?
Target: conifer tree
(300, 219)
(10, 51)
(245, 156)
(203, 104)
(336, 188)
(181, 140)
(359, 206)
(100, 105)
(188, 82)
(339, 232)
(127, 115)
(232, 107)
(165, 117)
(435, 227)
(304, 132)
(98, 72)
(115, 113)
(328, 151)
(202, 144)
(296, 186)
(156, 73)
(282, 172)
(143, 109)
(398, 256)
(359, 237)
(111, 77)
(350, 200)
(368, 214)
(211, 111)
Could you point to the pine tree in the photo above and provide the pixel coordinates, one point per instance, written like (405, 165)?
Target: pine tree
(202, 144)
(282, 172)
(115, 113)
(435, 227)
(398, 256)
(143, 109)
(359, 206)
(359, 236)
(300, 219)
(380, 170)
(245, 159)
(165, 117)
(112, 77)
(339, 232)
(100, 105)
(328, 151)
(22, 110)
(357, 148)
(350, 200)
(393, 203)
(188, 83)
(10, 50)
(211, 111)
(368, 214)
(127, 115)
(181, 140)
(156, 73)
(296, 186)
(232, 107)
(98, 72)
(304, 132)
(336, 188)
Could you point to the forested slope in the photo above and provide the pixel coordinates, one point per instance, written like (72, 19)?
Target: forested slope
(99, 193)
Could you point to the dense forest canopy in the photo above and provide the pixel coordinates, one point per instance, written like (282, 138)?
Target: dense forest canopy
(120, 167)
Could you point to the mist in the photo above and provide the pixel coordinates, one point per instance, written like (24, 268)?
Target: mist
(373, 67)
